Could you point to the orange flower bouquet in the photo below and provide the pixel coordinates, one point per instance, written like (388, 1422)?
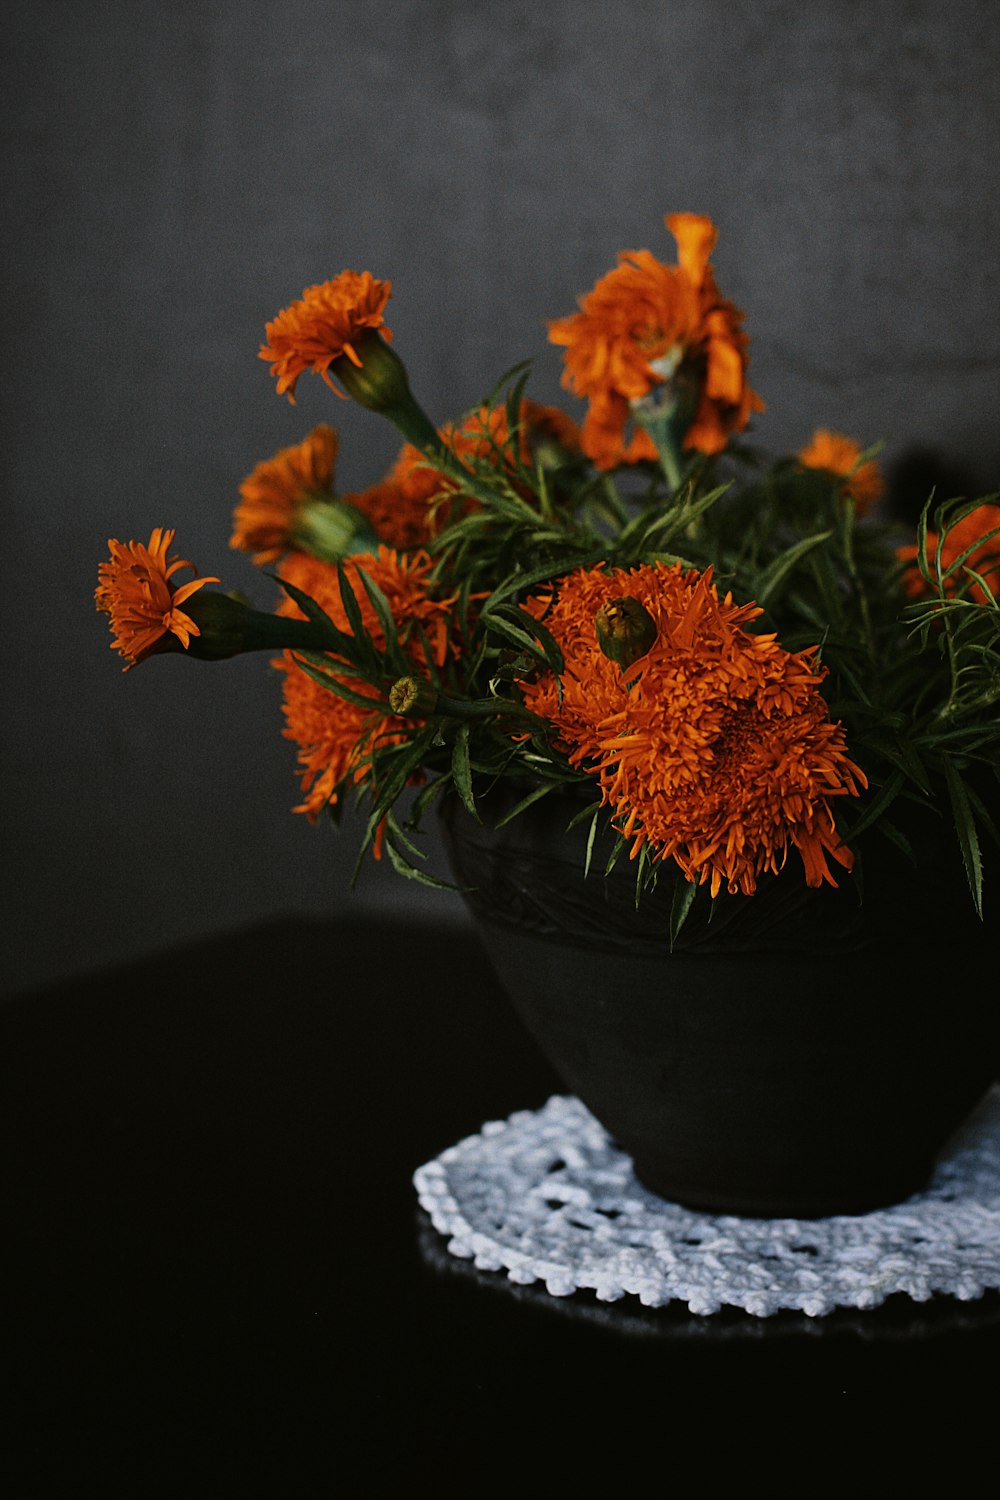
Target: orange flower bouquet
(751, 705)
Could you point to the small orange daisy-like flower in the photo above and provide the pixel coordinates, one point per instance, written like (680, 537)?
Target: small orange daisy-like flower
(984, 558)
(841, 456)
(715, 748)
(332, 734)
(641, 325)
(278, 487)
(324, 324)
(143, 605)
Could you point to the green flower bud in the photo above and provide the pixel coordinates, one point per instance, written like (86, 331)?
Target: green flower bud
(625, 630)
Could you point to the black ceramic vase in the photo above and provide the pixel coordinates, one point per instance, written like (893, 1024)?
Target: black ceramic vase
(800, 1053)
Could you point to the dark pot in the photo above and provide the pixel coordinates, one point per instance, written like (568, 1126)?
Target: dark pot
(799, 1054)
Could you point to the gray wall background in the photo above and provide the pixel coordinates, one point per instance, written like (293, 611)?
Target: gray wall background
(177, 172)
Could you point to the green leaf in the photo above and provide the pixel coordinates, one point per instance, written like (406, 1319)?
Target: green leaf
(532, 797)
(779, 568)
(877, 806)
(897, 837)
(402, 866)
(591, 835)
(380, 604)
(973, 546)
(684, 894)
(550, 647)
(364, 647)
(428, 794)
(523, 367)
(461, 767)
(983, 816)
(513, 633)
(922, 563)
(965, 827)
(335, 686)
(520, 582)
(312, 611)
(350, 602)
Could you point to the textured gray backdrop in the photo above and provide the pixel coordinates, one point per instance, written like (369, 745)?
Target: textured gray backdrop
(177, 172)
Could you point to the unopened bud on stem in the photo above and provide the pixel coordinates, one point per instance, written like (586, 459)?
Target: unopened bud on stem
(625, 630)
(376, 378)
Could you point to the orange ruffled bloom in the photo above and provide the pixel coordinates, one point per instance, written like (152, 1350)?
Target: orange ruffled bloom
(636, 326)
(984, 559)
(143, 605)
(716, 748)
(407, 507)
(841, 456)
(277, 488)
(324, 324)
(333, 735)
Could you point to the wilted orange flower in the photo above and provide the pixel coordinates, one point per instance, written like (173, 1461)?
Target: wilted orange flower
(324, 324)
(333, 735)
(638, 327)
(406, 508)
(984, 558)
(841, 455)
(143, 605)
(277, 488)
(715, 748)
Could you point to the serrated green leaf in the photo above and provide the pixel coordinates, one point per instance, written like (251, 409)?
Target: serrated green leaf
(461, 767)
(402, 866)
(684, 894)
(965, 828)
(335, 686)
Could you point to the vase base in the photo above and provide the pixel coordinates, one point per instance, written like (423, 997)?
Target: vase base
(849, 1198)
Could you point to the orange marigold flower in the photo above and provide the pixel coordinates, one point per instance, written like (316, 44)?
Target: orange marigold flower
(143, 605)
(278, 487)
(715, 748)
(638, 327)
(841, 456)
(983, 559)
(332, 734)
(324, 324)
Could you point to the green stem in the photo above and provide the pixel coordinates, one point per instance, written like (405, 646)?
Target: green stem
(230, 628)
(275, 632)
(659, 423)
(855, 576)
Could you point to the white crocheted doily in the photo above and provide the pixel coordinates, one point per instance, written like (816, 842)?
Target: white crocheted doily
(547, 1197)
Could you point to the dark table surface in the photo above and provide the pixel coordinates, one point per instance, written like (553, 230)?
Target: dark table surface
(214, 1258)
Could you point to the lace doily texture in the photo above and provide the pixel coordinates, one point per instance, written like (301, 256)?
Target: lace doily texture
(547, 1197)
